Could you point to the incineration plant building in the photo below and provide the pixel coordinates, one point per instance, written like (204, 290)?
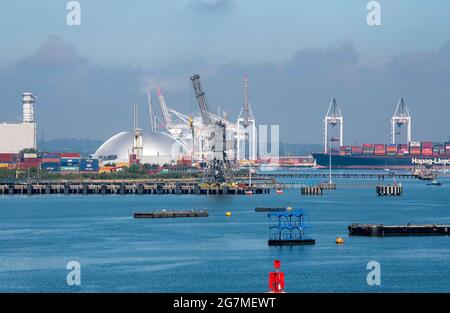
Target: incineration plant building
(16, 136)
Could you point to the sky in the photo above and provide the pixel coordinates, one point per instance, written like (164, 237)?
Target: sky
(297, 54)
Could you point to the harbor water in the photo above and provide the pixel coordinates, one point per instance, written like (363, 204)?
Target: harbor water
(39, 235)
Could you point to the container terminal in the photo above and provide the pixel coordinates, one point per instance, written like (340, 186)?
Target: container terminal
(407, 155)
(211, 143)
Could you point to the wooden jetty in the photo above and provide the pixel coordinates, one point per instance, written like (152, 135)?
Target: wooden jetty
(328, 185)
(398, 230)
(337, 175)
(389, 190)
(172, 214)
(126, 187)
(311, 190)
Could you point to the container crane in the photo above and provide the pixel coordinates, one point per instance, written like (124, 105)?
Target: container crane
(333, 118)
(217, 168)
(401, 117)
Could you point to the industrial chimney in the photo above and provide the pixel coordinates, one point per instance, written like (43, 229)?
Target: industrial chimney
(28, 111)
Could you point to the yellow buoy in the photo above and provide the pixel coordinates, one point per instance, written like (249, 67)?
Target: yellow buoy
(228, 213)
(339, 240)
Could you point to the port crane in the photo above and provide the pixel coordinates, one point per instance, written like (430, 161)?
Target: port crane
(246, 128)
(138, 145)
(333, 118)
(218, 167)
(164, 109)
(151, 112)
(401, 117)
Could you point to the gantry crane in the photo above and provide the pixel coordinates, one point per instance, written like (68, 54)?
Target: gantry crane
(332, 118)
(400, 118)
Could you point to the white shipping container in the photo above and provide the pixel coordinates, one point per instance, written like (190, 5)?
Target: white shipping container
(30, 155)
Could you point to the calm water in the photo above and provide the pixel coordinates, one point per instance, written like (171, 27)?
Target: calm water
(40, 234)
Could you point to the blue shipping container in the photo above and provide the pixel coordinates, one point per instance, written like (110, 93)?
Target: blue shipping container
(89, 165)
(47, 155)
(70, 162)
(51, 167)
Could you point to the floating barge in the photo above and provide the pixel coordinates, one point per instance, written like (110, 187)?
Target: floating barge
(398, 230)
(291, 242)
(171, 214)
(261, 209)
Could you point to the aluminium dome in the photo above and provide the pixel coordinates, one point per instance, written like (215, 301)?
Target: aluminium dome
(155, 144)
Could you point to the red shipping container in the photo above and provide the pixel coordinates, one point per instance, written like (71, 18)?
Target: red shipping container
(50, 160)
(70, 155)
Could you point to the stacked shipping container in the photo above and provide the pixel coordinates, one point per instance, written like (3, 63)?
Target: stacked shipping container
(29, 161)
(70, 162)
(380, 149)
(356, 150)
(368, 148)
(8, 160)
(415, 148)
(391, 149)
(50, 162)
(345, 150)
(403, 149)
(89, 165)
(427, 148)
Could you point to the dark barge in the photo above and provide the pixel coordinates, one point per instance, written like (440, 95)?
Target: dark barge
(398, 230)
(167, 214)
(291, 242)
(267, 209)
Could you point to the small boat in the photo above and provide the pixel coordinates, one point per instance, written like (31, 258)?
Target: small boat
(249, 192)
(434, 183)
(279, 192)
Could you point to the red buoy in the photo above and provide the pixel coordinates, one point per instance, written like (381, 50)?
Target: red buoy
(276, 279)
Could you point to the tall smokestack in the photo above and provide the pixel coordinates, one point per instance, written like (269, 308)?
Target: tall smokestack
(28, 110)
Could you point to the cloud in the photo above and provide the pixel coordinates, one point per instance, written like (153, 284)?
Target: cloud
(77, 98)
(212, 6)
(444, 51)
(339, 55)
(53, 54)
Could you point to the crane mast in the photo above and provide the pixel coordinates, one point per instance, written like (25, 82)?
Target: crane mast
(217, 169)
(246, 111)
(165, 110)
(200, 95)
(151, 112)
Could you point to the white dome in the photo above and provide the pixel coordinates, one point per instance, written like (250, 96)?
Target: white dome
(155, 144)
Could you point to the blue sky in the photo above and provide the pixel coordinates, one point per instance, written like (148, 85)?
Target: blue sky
(298, 54)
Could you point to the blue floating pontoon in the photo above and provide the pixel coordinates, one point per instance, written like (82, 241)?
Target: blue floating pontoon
(287, 228)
